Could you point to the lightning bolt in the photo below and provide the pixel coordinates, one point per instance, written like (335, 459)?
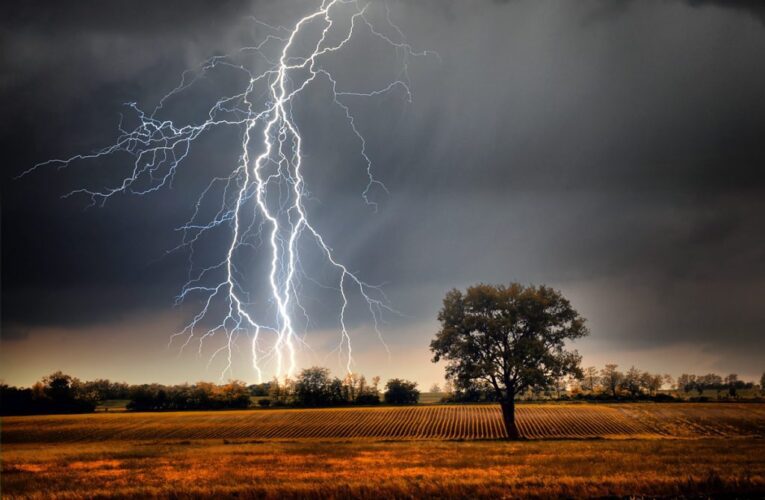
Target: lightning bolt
(263, 199)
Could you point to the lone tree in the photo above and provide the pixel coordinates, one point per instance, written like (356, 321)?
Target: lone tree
(510, 337)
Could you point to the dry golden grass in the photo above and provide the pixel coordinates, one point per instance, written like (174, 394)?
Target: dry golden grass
(366, 469)
(559, 421)
(389, 452)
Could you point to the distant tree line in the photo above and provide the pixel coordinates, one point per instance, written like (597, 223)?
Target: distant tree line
(609, 383)
(56, 393)
(199, 396)
(313, 387)
(699, 383)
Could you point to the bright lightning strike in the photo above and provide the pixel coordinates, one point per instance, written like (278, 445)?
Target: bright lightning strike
(264, 196)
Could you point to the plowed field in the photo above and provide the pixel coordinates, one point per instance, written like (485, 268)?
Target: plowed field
(535, 421)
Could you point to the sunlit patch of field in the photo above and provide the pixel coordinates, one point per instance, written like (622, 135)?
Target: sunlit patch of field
(535, 421)
(376, 469)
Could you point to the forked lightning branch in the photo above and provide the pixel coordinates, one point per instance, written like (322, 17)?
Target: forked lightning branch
(263, 198)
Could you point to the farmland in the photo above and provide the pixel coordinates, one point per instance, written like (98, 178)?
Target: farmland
(444, 450)
(535, 421)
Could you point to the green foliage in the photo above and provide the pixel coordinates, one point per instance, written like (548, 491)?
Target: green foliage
(509, 337)
(315, 387)
(259, 390)
(401, 392)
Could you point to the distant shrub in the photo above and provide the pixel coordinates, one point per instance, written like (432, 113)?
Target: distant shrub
(260, 389)
(369, 398)
(401, 392)
(473, 393)
(664, 398)
(265, 402)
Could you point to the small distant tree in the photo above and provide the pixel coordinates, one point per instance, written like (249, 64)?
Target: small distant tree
(234, 394)
(100, 389)
(38, 390)
(732, 382)
(477, 391)
(559, 385)
(401, 392)
(509, 338)
(201, 394)
(259, 389)
(315, 387)
(448, 387)
(589, 378)
(352, 386)
(435, 388)
(647, 382)
(651, 383)
(147, 397)
(58, 386)
(632, 381)
(656, 382)
(611, 378)
(669, 380)
(686, 382)
(708, 381)
(62, 393)
(280, 393)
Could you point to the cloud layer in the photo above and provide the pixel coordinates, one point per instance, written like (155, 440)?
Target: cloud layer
(611, 149)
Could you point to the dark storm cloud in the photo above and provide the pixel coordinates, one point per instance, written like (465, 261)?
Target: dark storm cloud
(67, 70)
(138, 16)
(13, 332)
(616, 156)
(754, 7)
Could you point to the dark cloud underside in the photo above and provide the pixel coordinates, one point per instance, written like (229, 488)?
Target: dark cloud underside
(613, 149)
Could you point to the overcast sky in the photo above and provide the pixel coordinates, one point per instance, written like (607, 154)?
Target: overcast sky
(611, 149)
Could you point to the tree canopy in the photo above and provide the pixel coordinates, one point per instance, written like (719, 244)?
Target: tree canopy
(401, 392)
(509, 337)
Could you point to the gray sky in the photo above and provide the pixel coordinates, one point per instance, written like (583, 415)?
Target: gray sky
(612, 149)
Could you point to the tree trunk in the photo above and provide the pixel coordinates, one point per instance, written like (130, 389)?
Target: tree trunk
(508, 417)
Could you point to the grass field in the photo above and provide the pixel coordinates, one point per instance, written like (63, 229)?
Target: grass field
(649, 450)
(209, 468)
